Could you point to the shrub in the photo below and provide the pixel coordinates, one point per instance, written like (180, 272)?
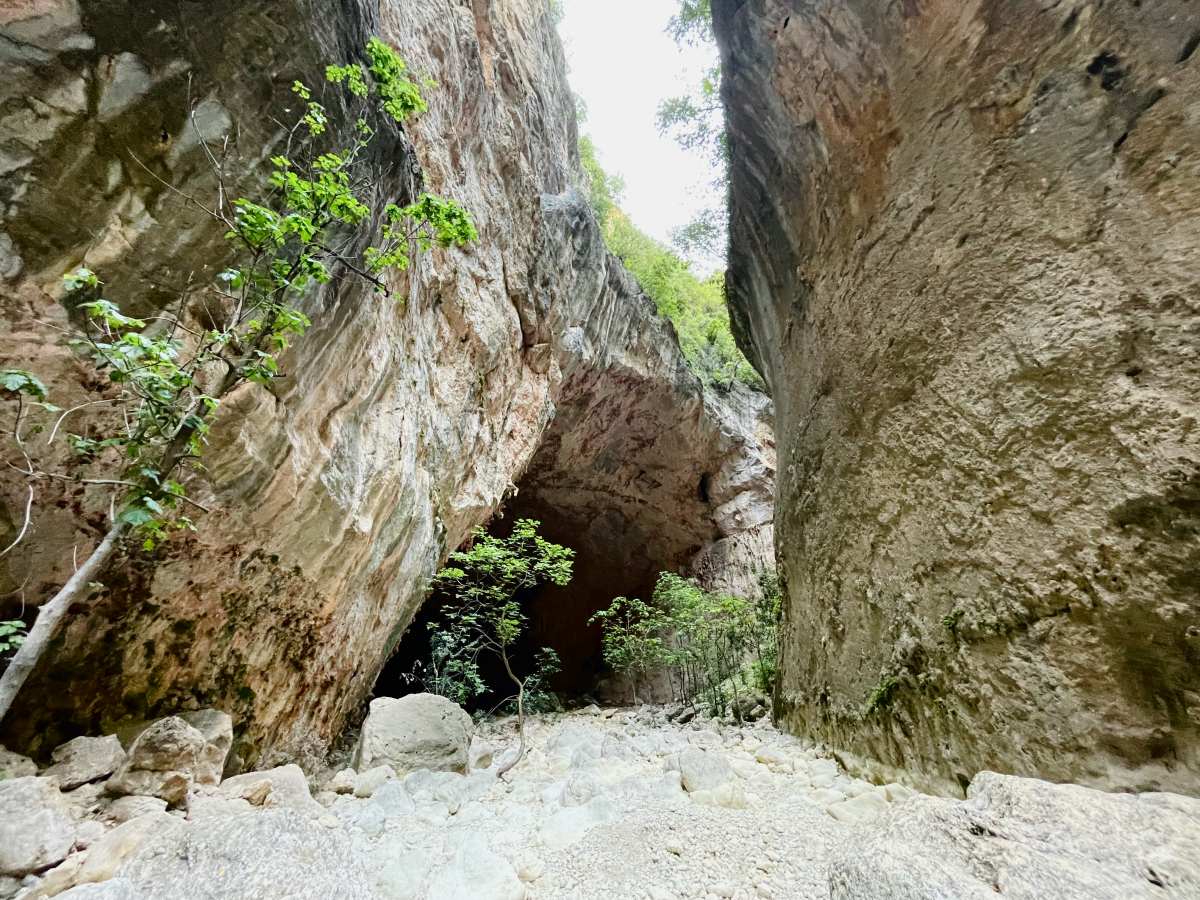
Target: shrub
(713, 647)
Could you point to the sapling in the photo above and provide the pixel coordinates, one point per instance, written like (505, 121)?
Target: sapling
(483, 611)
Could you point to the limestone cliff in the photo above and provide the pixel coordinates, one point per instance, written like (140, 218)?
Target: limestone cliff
(399, 427)
(964, 257)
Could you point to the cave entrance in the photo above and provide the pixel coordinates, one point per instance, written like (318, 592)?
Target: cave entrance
(612, 558)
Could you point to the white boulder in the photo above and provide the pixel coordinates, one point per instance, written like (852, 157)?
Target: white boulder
(420, 731)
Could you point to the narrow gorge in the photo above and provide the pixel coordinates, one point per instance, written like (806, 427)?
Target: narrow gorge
(956, 625)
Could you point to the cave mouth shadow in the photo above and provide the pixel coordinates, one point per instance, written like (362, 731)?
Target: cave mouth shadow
(610, 560)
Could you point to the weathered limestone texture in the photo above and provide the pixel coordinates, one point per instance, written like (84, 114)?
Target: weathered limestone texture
(964, 245)
(398, 428)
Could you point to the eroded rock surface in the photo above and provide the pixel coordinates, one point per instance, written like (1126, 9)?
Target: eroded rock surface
(399, 427)
(963, 255)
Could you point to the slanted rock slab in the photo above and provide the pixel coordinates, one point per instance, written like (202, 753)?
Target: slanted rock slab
(1025, 839)
(36, 829)
(163, 761)
(85, 759)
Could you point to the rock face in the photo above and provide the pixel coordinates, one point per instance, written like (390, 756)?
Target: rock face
(85, 759)
(963, 256)
(398, 428)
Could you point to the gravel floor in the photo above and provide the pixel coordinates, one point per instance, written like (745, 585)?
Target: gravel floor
(597, 810)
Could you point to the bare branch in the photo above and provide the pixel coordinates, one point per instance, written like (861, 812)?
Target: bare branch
(24, 528)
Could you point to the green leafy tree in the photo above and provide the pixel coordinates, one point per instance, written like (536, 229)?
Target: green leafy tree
(633, 638)
(695, 306)
(714, 647)
(166, 377)
(696, 120)
(483, 586)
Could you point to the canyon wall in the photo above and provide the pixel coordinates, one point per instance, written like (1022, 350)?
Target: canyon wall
(964, 243)
(398, 427)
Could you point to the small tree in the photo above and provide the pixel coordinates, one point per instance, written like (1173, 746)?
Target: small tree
(166, 377)
(633, 638)
(483, 609)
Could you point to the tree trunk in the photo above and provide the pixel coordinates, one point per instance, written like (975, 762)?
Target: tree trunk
(45, 627)
(520, 716)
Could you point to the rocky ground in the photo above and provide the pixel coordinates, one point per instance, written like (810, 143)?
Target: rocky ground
(607, 804)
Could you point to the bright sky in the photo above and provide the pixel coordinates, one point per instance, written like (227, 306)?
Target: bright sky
(623, 64)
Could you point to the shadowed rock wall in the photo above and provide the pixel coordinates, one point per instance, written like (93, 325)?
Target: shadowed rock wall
(964, 241)
(398, 428)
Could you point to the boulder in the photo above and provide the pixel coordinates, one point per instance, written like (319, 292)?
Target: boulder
(342, 782)
(366, 783)
(1024, 839)
(108, 854)
(85, 759)
(217, 729)
(579, 789)
(476, 873)
(123, 809)
(162, 762)
(481, 754)
(272, 854)
(420, 731)
(36, 828)
(284, 787)
(394, 800)
(703, 770)
(14, 765)
(862, 807)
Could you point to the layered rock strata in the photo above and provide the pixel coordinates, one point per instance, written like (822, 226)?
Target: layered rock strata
(399, 427)
(963, 255)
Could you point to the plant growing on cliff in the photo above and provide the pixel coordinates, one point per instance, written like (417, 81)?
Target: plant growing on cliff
(694, 305)
(12, 636)
(696, 120)
(166, 377)
(482, 611)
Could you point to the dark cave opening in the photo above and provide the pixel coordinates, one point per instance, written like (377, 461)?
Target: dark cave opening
(611, 560)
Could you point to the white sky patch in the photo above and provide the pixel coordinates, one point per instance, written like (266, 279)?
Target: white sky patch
(623, 64)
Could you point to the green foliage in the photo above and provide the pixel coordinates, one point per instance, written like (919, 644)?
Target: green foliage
(18, 381)
(695, 306)
(452, 669)
(168, 380)
(950, 622)
(703, 641)
(604, 190)
(633, 637)
(482, 611)
(697, 123)
(882, 695)
(12, 635)
(538, 696)
(693, 23)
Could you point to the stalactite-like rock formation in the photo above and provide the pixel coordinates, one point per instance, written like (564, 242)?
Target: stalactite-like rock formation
(964, 255)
